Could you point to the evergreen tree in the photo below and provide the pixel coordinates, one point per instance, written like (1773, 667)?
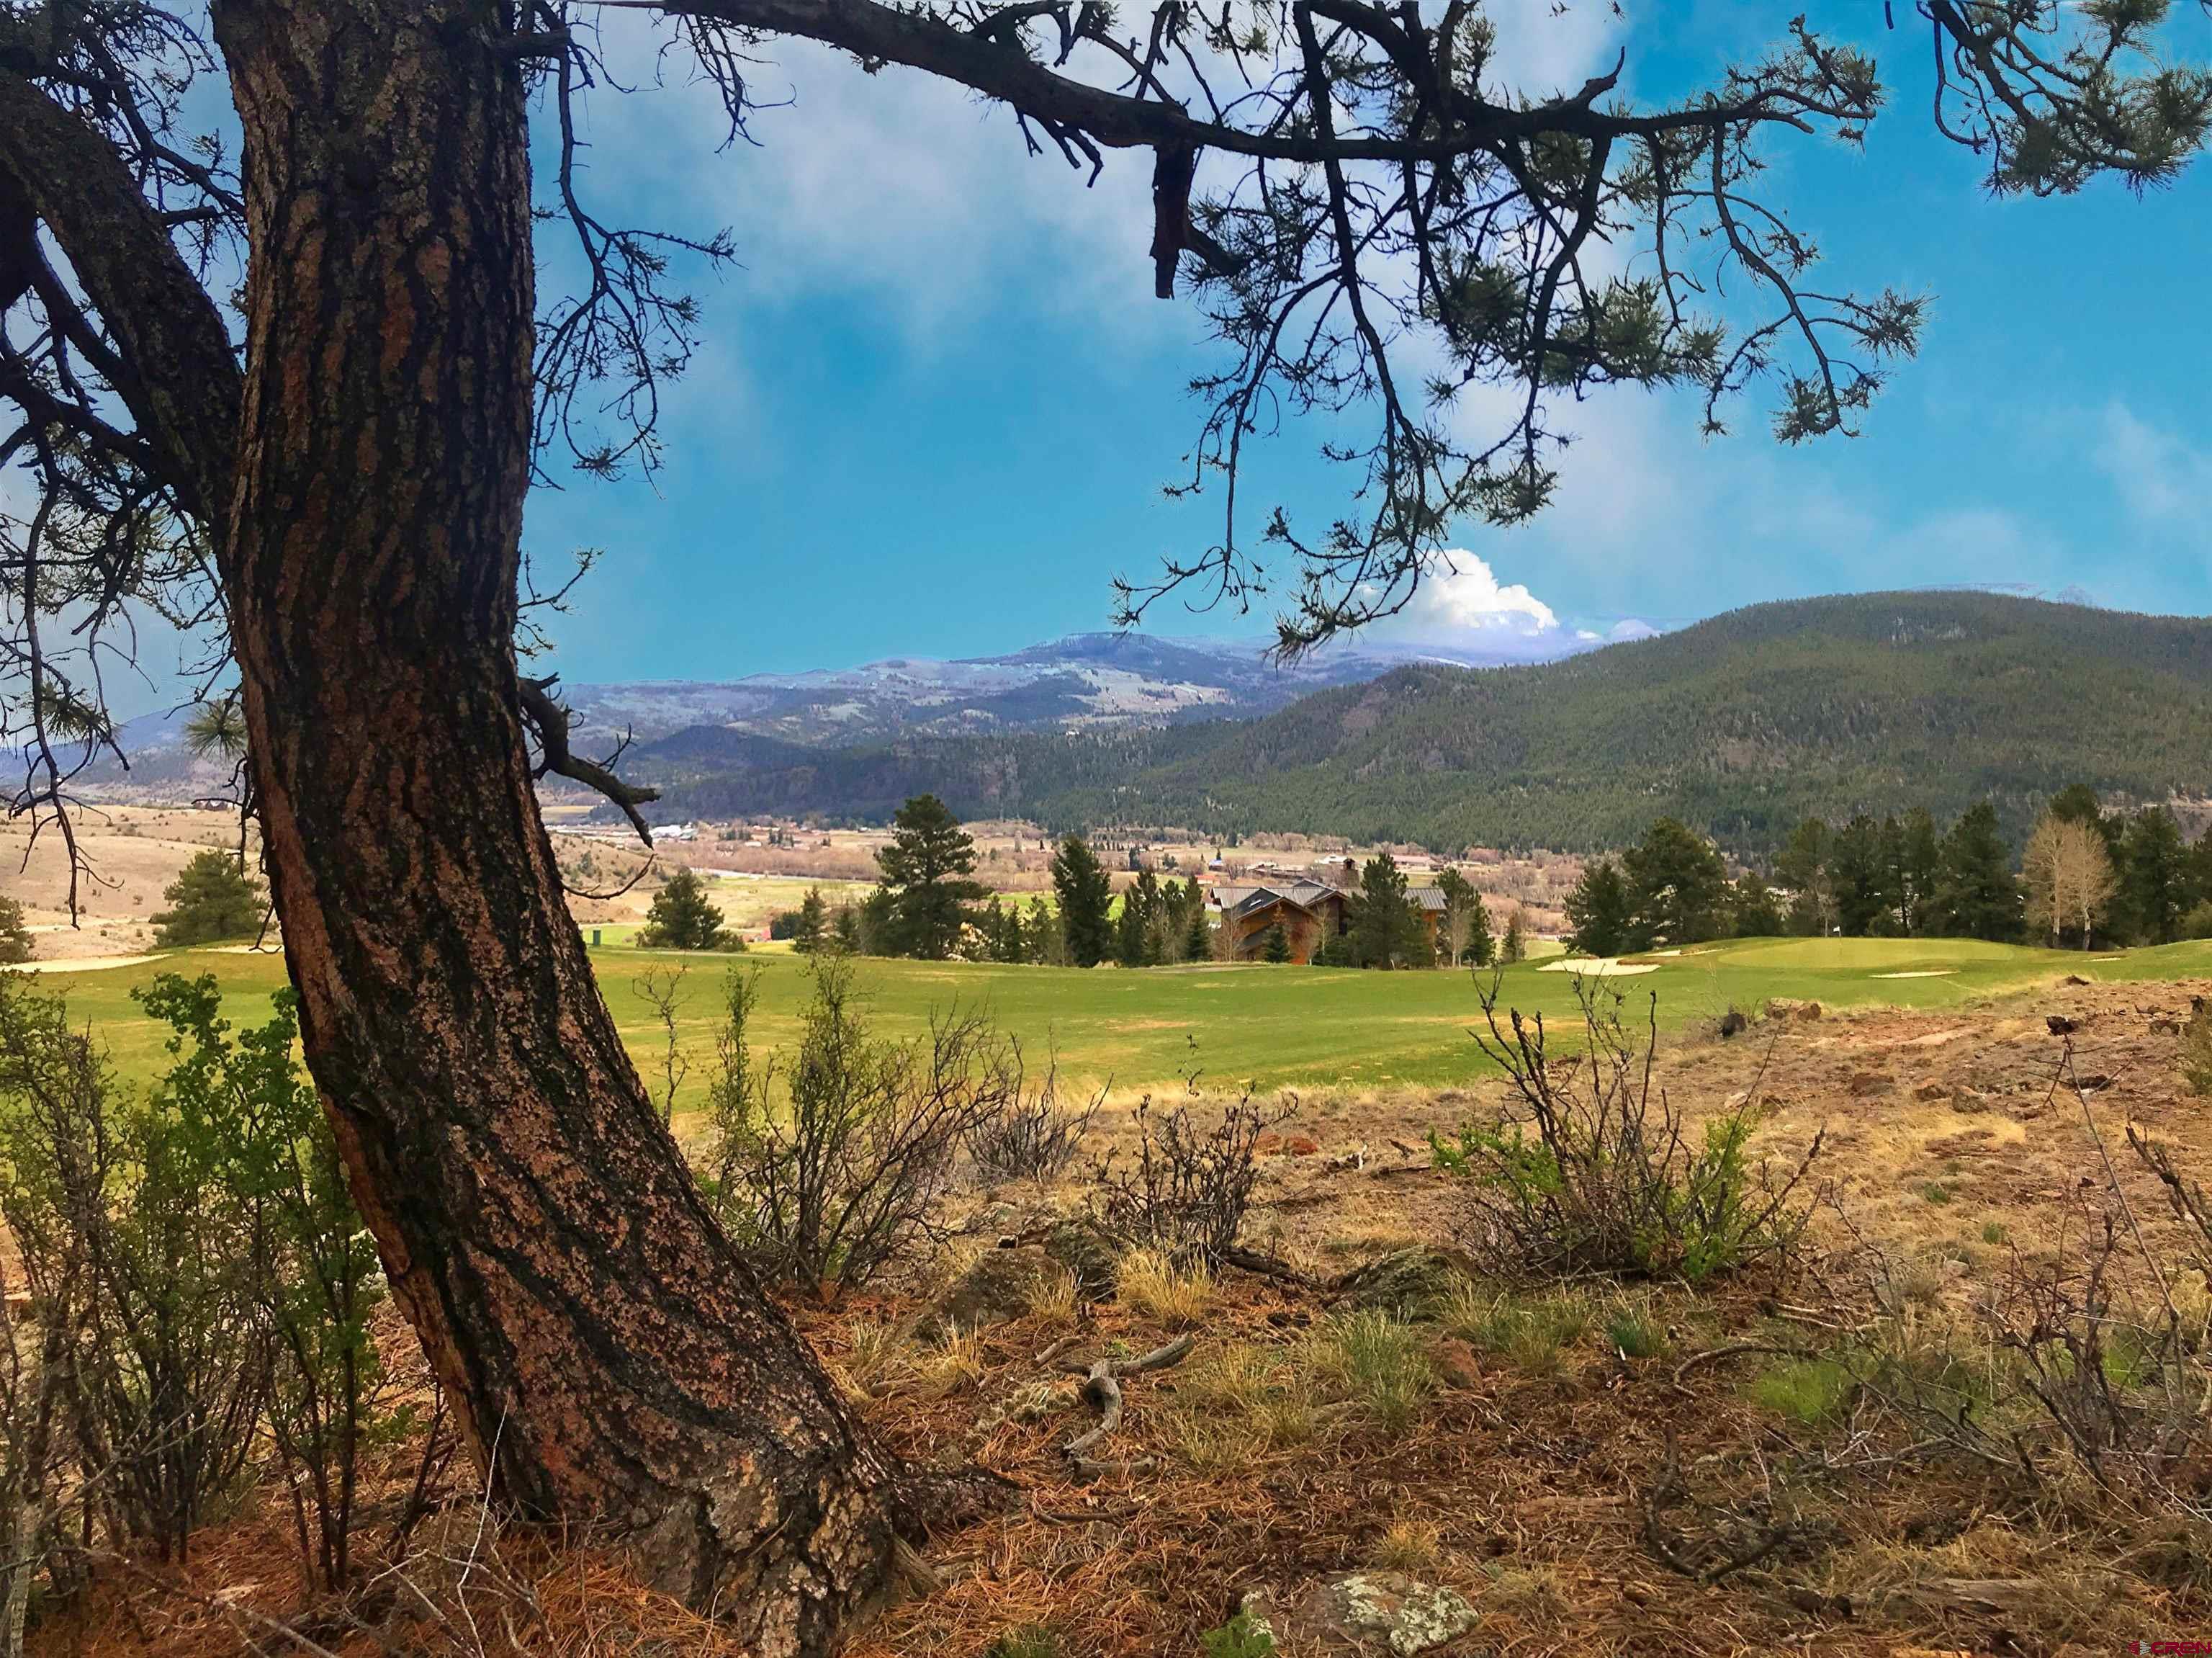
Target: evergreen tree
(1976, 896)
(1895, 902)
(682, 916)
(1042, 941)
(212, 899)
(1086, 898)
(926, 869)
(1856, 881)
(1277, 946)
(1918, 868)
(1137, 933)
(808, 922)
(14, 937)
(1514, 947)
(846, 929)
(1801, 866)
(1198, 938)
(1756, 911)
(2154, 884)
(1597, 911)
(1678, 888)
(1386, 932)
(875, 923)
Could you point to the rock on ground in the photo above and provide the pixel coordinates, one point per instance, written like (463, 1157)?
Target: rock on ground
(1368, 1613)
(1411, 1284)
(996, 1290)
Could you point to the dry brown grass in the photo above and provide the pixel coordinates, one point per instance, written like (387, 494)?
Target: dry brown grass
(1523, 1478)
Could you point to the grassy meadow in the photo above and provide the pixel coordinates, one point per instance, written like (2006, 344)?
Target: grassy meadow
(1273, 1025)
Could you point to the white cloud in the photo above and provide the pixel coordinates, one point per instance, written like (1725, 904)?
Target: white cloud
(1544, 47)
(2163, 481)
(1466, 596)
(897, 187)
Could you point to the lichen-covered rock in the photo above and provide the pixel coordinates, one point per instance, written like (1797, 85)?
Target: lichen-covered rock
(1373, 1612)
(1411, 1283)
(1089, 1251)
(996, 1290)
(1404, 1616)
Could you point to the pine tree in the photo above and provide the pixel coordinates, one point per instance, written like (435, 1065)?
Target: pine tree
(682, 916)
(1856, 877)
(1801, 866)
(1041, 941)
(1385, 931)
(1277, 946)
(1597, 911)
(1136, 939)
(1086, 898)
(808, 921)
(2155, 887)
(1678, 888)
(926, 869)
(212, 899)
(1198, 934)
(1920, 867)
(1515, 946)
(1755, 912)
(1976, 896)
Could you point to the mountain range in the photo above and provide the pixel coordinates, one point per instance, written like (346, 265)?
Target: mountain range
(1087, 682)
(1740, 725)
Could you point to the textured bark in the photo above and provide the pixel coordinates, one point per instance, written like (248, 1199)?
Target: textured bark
(615, 1361)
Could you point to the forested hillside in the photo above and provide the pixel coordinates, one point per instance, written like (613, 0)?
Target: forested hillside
(1740, 725)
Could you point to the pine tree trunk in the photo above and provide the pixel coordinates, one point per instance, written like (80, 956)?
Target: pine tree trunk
(614, 1360)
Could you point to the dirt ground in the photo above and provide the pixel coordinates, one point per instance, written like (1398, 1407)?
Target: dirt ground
(1535, 1479)
(134, 852)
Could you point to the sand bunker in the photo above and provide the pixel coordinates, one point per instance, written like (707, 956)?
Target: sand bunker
(1604, 967)
(76, 964)
(1922, 972)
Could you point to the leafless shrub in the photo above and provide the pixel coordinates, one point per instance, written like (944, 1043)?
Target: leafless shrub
(661, 988)
(2096, 1357)
(2196, 1046)
(1036, 1138)
(1599, 1170)
(1185, 1191)
(31, 1371)
(824, 1190)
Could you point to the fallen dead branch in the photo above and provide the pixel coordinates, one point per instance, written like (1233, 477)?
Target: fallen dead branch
(1101, 1390)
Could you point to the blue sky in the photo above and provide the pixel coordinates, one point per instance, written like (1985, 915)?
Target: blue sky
(937, 401)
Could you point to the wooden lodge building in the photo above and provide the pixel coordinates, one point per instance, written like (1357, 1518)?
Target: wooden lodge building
(1309, 912)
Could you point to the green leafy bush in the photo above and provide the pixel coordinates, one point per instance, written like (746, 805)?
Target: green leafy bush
(199, 1248)
(311, 1269)
(14, 937)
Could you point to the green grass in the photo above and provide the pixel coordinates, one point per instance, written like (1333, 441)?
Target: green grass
(1275, 1026)
(1808, 1392)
